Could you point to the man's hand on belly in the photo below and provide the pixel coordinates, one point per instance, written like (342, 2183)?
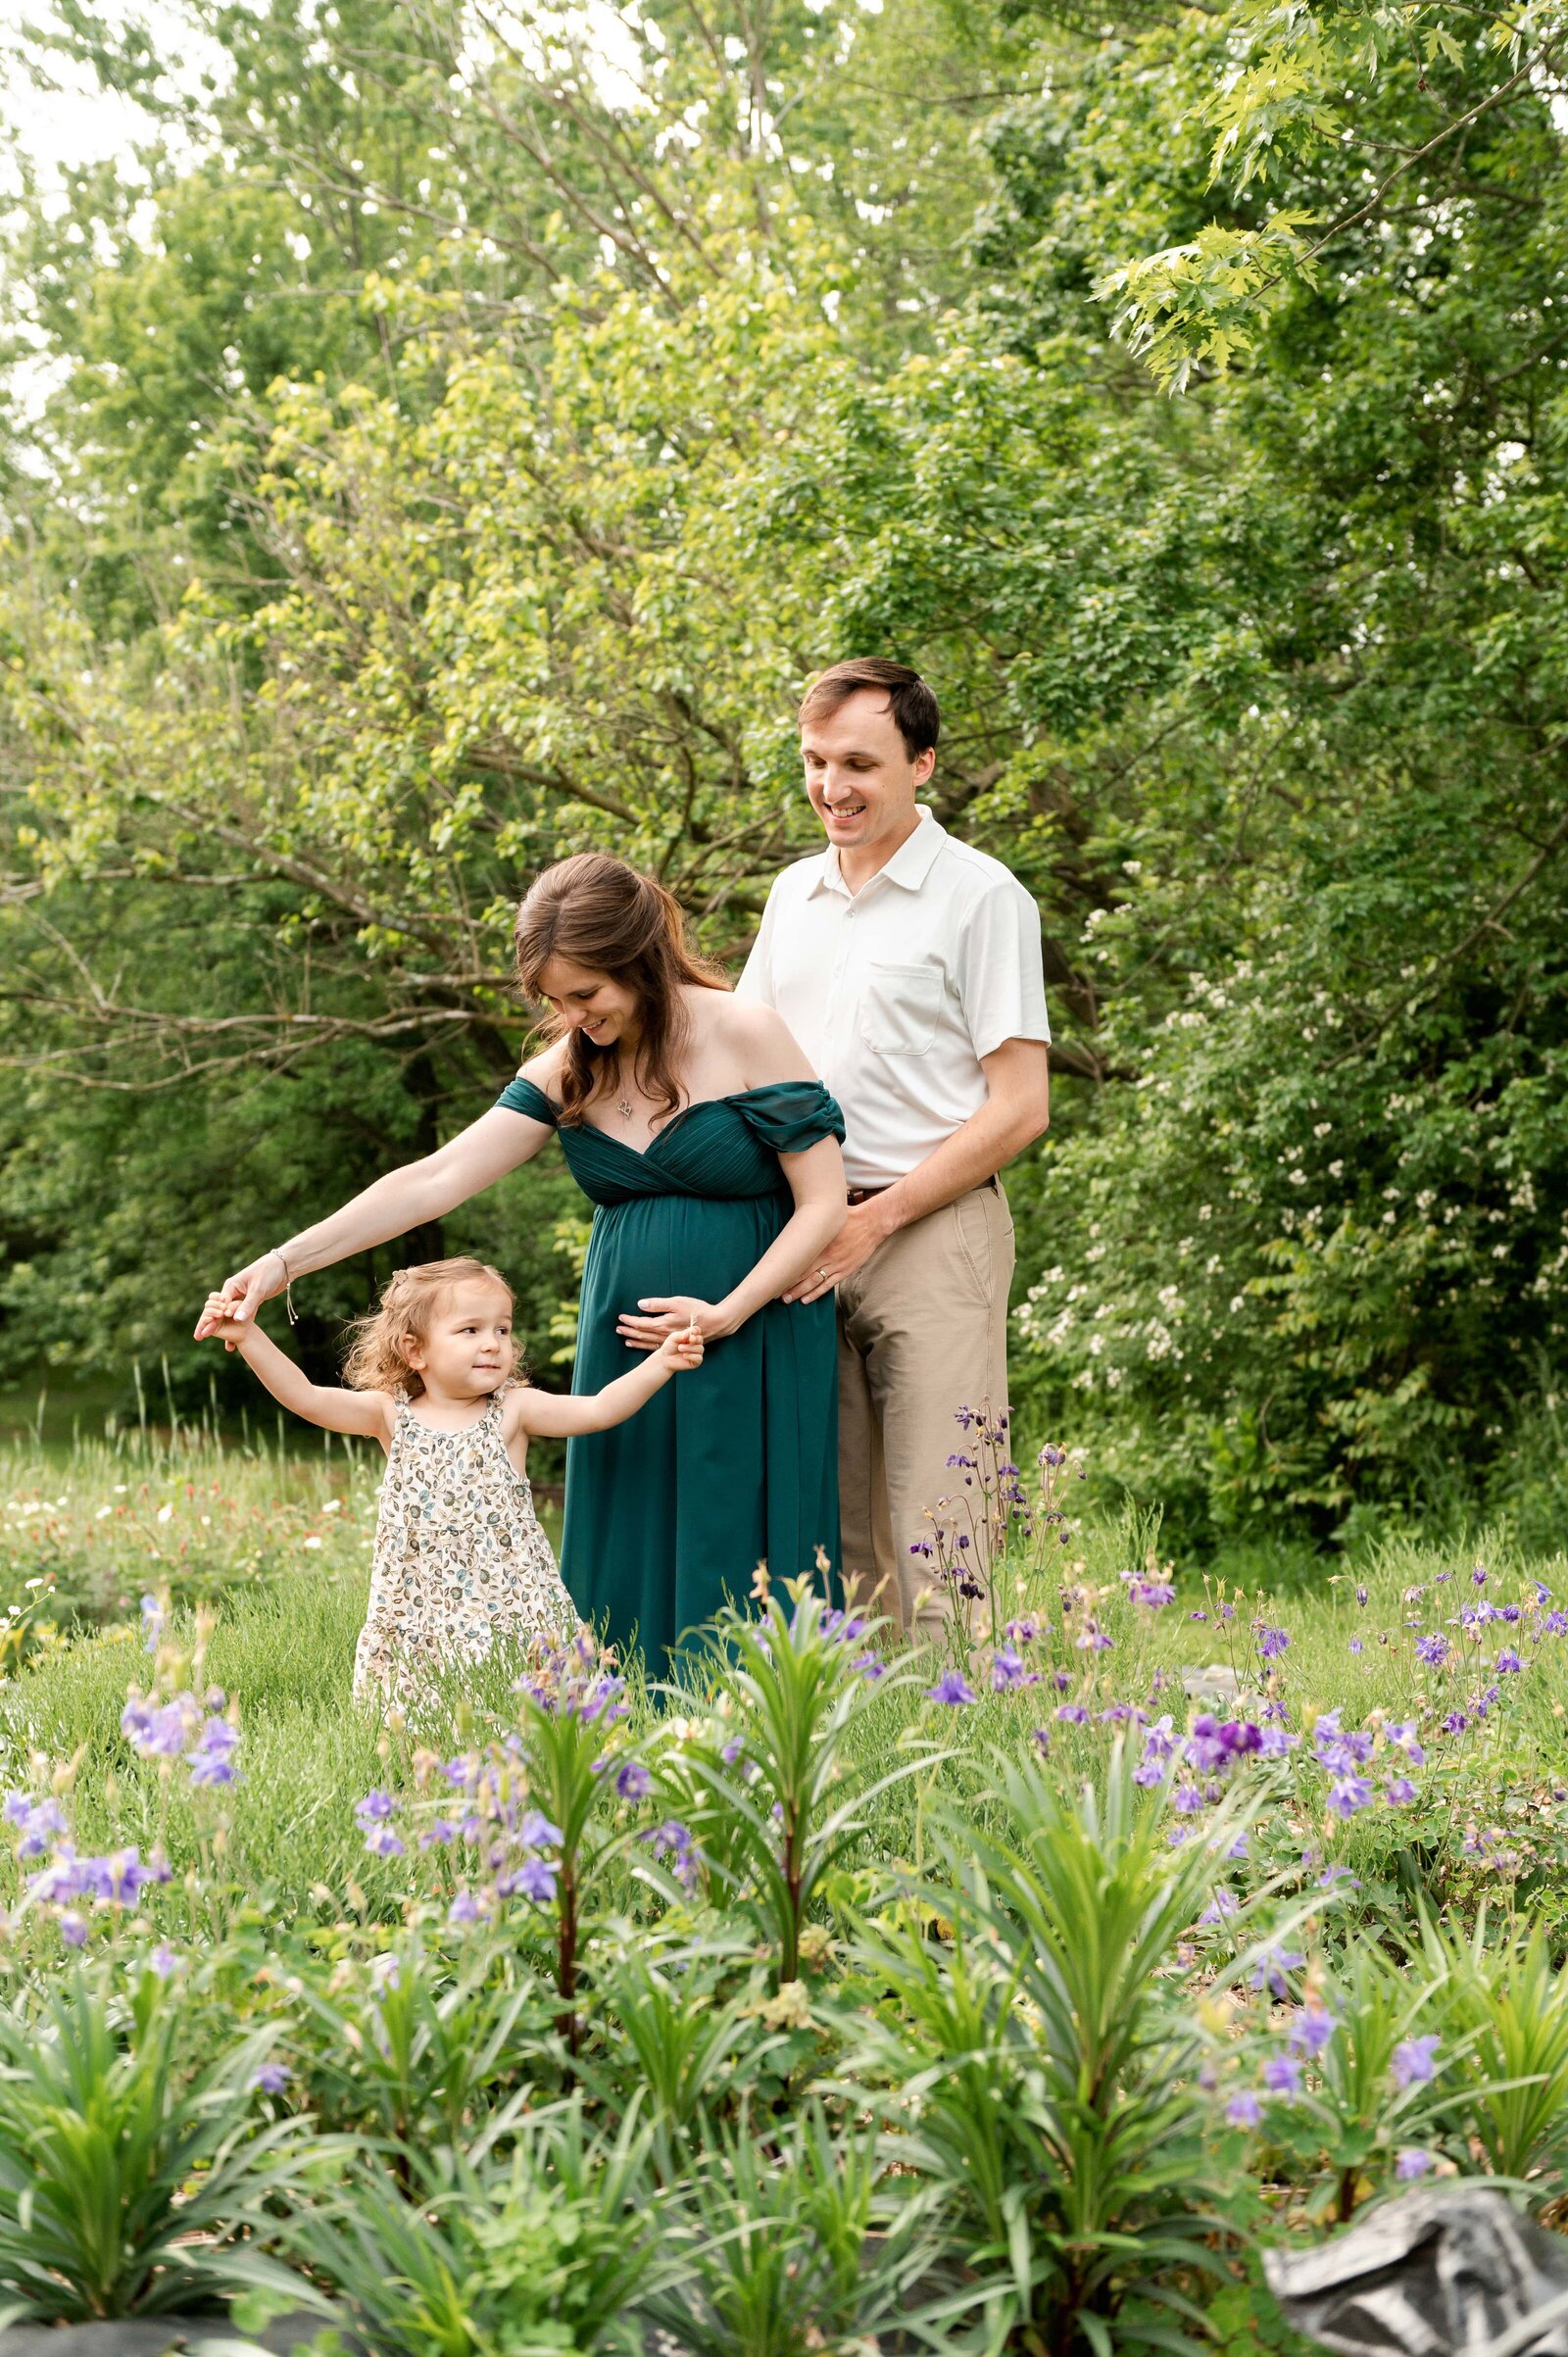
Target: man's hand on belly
(865, 1226)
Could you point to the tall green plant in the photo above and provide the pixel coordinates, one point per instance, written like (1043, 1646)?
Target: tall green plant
(125, 2188)
(779, 1792)
(555, 2249)
(1043, 2066)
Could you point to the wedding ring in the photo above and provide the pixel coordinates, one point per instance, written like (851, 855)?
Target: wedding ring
(822, 1272)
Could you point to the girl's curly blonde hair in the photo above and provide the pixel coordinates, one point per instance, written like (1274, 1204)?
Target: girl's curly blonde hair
(378, 1351)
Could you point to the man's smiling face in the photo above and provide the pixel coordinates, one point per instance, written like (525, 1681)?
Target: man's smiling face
(860, 775)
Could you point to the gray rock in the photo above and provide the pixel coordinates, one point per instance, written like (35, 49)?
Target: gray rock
(163, 2336)
(1453, 2271)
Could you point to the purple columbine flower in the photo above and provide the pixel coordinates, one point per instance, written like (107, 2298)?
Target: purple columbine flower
(1312, 2029)
(74, 1928)
(534, 1880)
(1414, 2060)
(1347, 1793)
(634, 1782)
(1006, 1670)
(1272, 1643)
(1243, 2110)
(212, 1760)
(273, 2078)
(464, 1911)
(871, 1666)
(1411, 2164)
(1478, 1577)
(163, 1963)
(951, 1687)
(381, 1842)
(152, 1622)
(1072, 1714)
(1433, 1650)
(1270, 1971)
(1155, 1593)
(374, 1805)
(536, 1831)
(1508, 1662)
(1282, 2075)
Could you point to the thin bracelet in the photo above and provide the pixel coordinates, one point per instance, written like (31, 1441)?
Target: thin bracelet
(277, 1253)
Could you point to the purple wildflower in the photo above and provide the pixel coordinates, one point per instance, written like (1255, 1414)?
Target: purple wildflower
(273, 2078)
(1243, 2110)
(951, 1687)
(1312, 2029)
(1411, 2164)
(634, 1782)
(1413, 2060)
(1282, 2075)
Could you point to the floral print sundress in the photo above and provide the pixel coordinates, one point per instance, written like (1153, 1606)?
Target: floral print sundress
(459, 1557)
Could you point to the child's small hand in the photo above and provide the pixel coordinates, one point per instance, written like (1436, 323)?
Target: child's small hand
(683, 1348)
(230, 1331)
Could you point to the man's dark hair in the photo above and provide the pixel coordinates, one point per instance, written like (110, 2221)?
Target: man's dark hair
(910, 702)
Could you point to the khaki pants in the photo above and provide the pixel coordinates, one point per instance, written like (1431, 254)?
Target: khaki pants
(922, 1332)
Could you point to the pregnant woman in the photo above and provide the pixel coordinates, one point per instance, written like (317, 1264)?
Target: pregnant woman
(710, 1152)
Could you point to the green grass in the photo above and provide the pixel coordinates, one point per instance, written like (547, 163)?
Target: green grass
(282, 1553)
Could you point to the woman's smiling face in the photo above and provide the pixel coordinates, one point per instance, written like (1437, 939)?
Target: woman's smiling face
(604, 1009)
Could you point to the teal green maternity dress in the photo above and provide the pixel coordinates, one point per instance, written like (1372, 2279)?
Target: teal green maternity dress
(735, 1462)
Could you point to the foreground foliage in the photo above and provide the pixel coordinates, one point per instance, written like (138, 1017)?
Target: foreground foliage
(1002, 1999)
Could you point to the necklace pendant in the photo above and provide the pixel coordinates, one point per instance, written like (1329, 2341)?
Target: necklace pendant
(625, 1107)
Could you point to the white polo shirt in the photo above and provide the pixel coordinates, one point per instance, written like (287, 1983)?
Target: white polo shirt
(897, 990)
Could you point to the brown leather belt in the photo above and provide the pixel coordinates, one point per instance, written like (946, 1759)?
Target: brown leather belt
(863, 1195)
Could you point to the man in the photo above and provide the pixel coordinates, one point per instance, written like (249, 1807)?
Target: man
(909, 967)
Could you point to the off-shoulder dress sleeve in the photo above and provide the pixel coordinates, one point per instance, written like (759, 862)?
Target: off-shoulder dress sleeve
(519, 1096)
(791, 1116)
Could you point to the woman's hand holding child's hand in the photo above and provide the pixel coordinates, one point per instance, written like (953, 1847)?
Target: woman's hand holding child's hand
(683, 1348)
(218, 1324)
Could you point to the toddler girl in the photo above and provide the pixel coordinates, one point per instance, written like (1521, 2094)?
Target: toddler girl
(460, 1557)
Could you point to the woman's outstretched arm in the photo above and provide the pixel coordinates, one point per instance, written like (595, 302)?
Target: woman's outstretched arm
(425, 1190)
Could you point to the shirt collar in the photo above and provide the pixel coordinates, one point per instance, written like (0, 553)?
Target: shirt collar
(909, 866)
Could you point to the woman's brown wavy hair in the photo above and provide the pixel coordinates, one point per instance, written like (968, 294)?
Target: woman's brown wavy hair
(613, 919)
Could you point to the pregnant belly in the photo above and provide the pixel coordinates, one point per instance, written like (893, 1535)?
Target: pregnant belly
(664, 1244)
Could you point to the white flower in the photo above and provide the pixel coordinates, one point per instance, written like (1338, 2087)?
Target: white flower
(333, 1506)
(166, 1514)
(311, 1541)
(102, 1511)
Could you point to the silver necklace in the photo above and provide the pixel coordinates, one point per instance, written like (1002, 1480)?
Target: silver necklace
(625, 1107)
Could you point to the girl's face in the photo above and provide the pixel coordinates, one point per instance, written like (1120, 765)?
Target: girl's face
(604, 1010)
(468, 1350)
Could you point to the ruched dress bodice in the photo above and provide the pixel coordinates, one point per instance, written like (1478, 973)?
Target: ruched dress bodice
(735, 1462)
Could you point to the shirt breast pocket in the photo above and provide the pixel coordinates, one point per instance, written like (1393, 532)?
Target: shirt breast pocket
(899, 1008)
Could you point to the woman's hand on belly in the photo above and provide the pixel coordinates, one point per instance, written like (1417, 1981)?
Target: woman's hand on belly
(656, 1318)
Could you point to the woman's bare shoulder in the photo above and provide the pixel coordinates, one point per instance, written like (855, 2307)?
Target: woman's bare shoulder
(543, 1069)
(760, 1043)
